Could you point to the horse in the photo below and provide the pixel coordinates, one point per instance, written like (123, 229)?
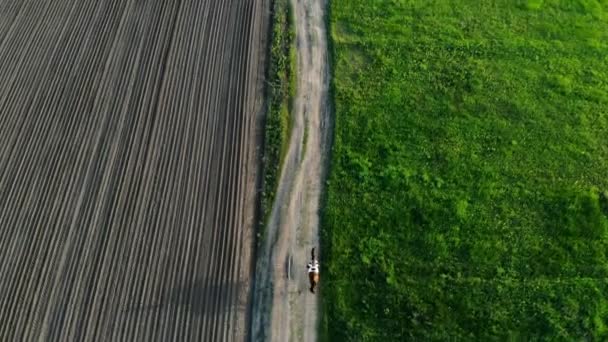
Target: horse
(313, 271)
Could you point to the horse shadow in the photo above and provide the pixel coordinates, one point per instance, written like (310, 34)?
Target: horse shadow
(201, 297)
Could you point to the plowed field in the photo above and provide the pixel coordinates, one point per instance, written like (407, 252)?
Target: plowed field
(128, 137)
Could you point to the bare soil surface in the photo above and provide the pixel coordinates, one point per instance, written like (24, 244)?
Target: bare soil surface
(128, 163)
(284, 309)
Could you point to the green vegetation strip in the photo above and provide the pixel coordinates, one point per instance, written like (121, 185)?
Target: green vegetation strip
(468, 194)
(281, 90)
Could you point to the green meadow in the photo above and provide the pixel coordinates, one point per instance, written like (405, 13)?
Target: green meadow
(468, 189)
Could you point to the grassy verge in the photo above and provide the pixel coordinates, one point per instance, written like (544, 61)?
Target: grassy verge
(281, 90)
(468, 196)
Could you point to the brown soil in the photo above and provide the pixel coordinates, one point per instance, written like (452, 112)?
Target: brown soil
(128, 133)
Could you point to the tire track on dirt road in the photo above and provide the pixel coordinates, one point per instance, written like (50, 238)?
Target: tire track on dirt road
(128, 167)
(284, 309)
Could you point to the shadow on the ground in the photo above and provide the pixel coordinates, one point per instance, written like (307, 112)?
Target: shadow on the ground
(201, 297)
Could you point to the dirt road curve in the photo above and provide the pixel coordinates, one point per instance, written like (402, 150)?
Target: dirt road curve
(127, 168)
(284, 309)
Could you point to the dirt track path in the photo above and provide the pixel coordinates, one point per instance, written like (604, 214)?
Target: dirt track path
(284, 309)
(127, 168)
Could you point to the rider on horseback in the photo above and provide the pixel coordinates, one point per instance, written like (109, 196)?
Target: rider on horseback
(313, 271)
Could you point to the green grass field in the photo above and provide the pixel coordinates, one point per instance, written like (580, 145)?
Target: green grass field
(468, 191)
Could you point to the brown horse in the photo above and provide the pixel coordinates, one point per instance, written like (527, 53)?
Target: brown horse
(313, 272)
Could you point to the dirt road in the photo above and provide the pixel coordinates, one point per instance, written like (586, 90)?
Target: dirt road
(127, 168)
(284, 309)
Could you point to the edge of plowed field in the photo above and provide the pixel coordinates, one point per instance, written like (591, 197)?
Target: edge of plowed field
(257, 86)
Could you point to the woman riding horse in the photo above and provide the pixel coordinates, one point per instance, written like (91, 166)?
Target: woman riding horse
(313, 272)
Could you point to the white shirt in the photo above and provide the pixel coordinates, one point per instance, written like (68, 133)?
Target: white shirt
(313, 267)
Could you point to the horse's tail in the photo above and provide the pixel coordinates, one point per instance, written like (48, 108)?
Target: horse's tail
(313, 253)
